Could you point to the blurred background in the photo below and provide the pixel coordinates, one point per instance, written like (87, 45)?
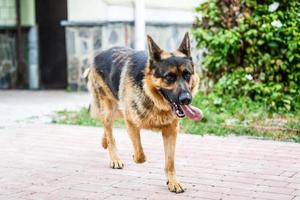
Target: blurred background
(247, 54)
(47, 44)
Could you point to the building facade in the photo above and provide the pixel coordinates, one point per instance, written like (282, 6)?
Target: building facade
(8, 38)
(63, 36)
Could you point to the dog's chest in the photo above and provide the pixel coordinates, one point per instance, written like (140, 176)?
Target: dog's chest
(158, 121)
(153, 118)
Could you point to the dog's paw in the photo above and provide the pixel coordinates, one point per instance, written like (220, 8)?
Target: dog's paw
(141, 158)
(176, 186)
(116, 164)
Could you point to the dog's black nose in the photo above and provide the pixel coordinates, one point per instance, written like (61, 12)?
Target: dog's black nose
(185, 98)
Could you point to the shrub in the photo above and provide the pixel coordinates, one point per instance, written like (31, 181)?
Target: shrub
(253, 49)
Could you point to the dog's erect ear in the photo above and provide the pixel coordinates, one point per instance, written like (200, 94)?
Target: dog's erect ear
(185, 46)
(154, 50)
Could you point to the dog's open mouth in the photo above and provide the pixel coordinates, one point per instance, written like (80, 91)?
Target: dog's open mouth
(177, 109)
(190, 111)
(181, 111)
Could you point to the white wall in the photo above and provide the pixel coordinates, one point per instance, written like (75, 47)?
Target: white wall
(120, 13)
(172, 11)
(169, 15)
(167, 4)
(87, 10)
(126, 13)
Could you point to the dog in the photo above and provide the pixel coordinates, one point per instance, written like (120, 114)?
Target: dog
(150, 90)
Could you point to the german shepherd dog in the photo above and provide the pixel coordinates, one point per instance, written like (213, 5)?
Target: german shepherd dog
(150, 90)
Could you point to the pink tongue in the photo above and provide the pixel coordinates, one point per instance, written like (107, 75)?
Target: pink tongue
(192, 112)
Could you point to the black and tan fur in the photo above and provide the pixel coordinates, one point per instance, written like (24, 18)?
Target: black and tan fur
(132, 84)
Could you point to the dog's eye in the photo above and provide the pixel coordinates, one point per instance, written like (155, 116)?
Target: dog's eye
(187, 75)
(170, 78)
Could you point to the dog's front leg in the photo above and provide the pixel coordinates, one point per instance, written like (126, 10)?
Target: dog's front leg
(169, 134)
(134, 133)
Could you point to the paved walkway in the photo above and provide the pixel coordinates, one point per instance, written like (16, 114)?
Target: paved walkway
(54, 162)
(23, 106)
(66, 162)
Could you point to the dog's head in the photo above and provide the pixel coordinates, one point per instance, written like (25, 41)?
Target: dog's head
(173, 76)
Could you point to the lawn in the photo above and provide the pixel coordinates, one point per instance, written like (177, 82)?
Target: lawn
(221, 117)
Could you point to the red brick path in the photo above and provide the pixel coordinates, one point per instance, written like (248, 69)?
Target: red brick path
(66, 162)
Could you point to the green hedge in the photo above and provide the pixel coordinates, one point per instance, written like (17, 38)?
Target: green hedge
(253, 49)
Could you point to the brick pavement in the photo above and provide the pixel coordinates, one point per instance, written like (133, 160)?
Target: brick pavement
(24, 106)
(66, 162)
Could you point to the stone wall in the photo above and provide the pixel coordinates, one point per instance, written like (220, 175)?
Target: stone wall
(84, 42)
(8, 63)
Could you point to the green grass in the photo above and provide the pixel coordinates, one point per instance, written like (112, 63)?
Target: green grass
(81, 117)
(243, 117)
(222, 117)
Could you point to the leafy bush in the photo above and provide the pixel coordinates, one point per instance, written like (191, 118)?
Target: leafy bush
(253, 49)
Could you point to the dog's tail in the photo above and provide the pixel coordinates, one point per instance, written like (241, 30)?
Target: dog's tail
(86, 73)
(85, 76)
(94, 107)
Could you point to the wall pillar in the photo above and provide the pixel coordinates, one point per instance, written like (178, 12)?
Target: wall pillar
(139, 25)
